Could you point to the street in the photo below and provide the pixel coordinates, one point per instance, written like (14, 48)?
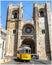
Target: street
(14, 61)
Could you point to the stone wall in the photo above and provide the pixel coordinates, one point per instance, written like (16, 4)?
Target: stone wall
(41, 39)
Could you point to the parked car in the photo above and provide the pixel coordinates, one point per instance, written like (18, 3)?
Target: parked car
(35, 56)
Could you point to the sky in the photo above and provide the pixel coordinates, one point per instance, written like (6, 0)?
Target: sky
(27, 8)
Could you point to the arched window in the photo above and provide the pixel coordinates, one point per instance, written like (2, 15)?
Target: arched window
(15, 15)
(41, 12)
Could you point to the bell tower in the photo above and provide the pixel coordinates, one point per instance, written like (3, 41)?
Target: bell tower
(41, 22)
(14, 18)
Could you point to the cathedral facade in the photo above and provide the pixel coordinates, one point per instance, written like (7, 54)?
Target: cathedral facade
(34, 33)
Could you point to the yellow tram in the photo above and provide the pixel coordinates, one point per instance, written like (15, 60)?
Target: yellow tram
(24, 53)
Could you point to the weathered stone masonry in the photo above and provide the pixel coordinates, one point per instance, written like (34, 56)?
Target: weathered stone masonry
(35, 33)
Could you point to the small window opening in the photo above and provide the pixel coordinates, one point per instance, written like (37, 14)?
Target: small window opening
(43, 31)
(14, 31)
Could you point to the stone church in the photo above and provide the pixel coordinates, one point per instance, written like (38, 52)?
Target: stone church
(34, 33)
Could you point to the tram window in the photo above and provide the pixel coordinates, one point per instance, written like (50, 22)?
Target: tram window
(29, 51)
(26, 51)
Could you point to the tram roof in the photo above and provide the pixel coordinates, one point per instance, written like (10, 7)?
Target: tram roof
(22, 48)
(26, 48)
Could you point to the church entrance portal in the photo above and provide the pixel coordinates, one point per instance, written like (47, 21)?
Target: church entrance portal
(31, 43)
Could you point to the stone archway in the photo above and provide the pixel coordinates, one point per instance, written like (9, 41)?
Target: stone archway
(31, 43)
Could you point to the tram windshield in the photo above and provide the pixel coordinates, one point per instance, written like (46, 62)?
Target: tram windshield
(25, 50)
